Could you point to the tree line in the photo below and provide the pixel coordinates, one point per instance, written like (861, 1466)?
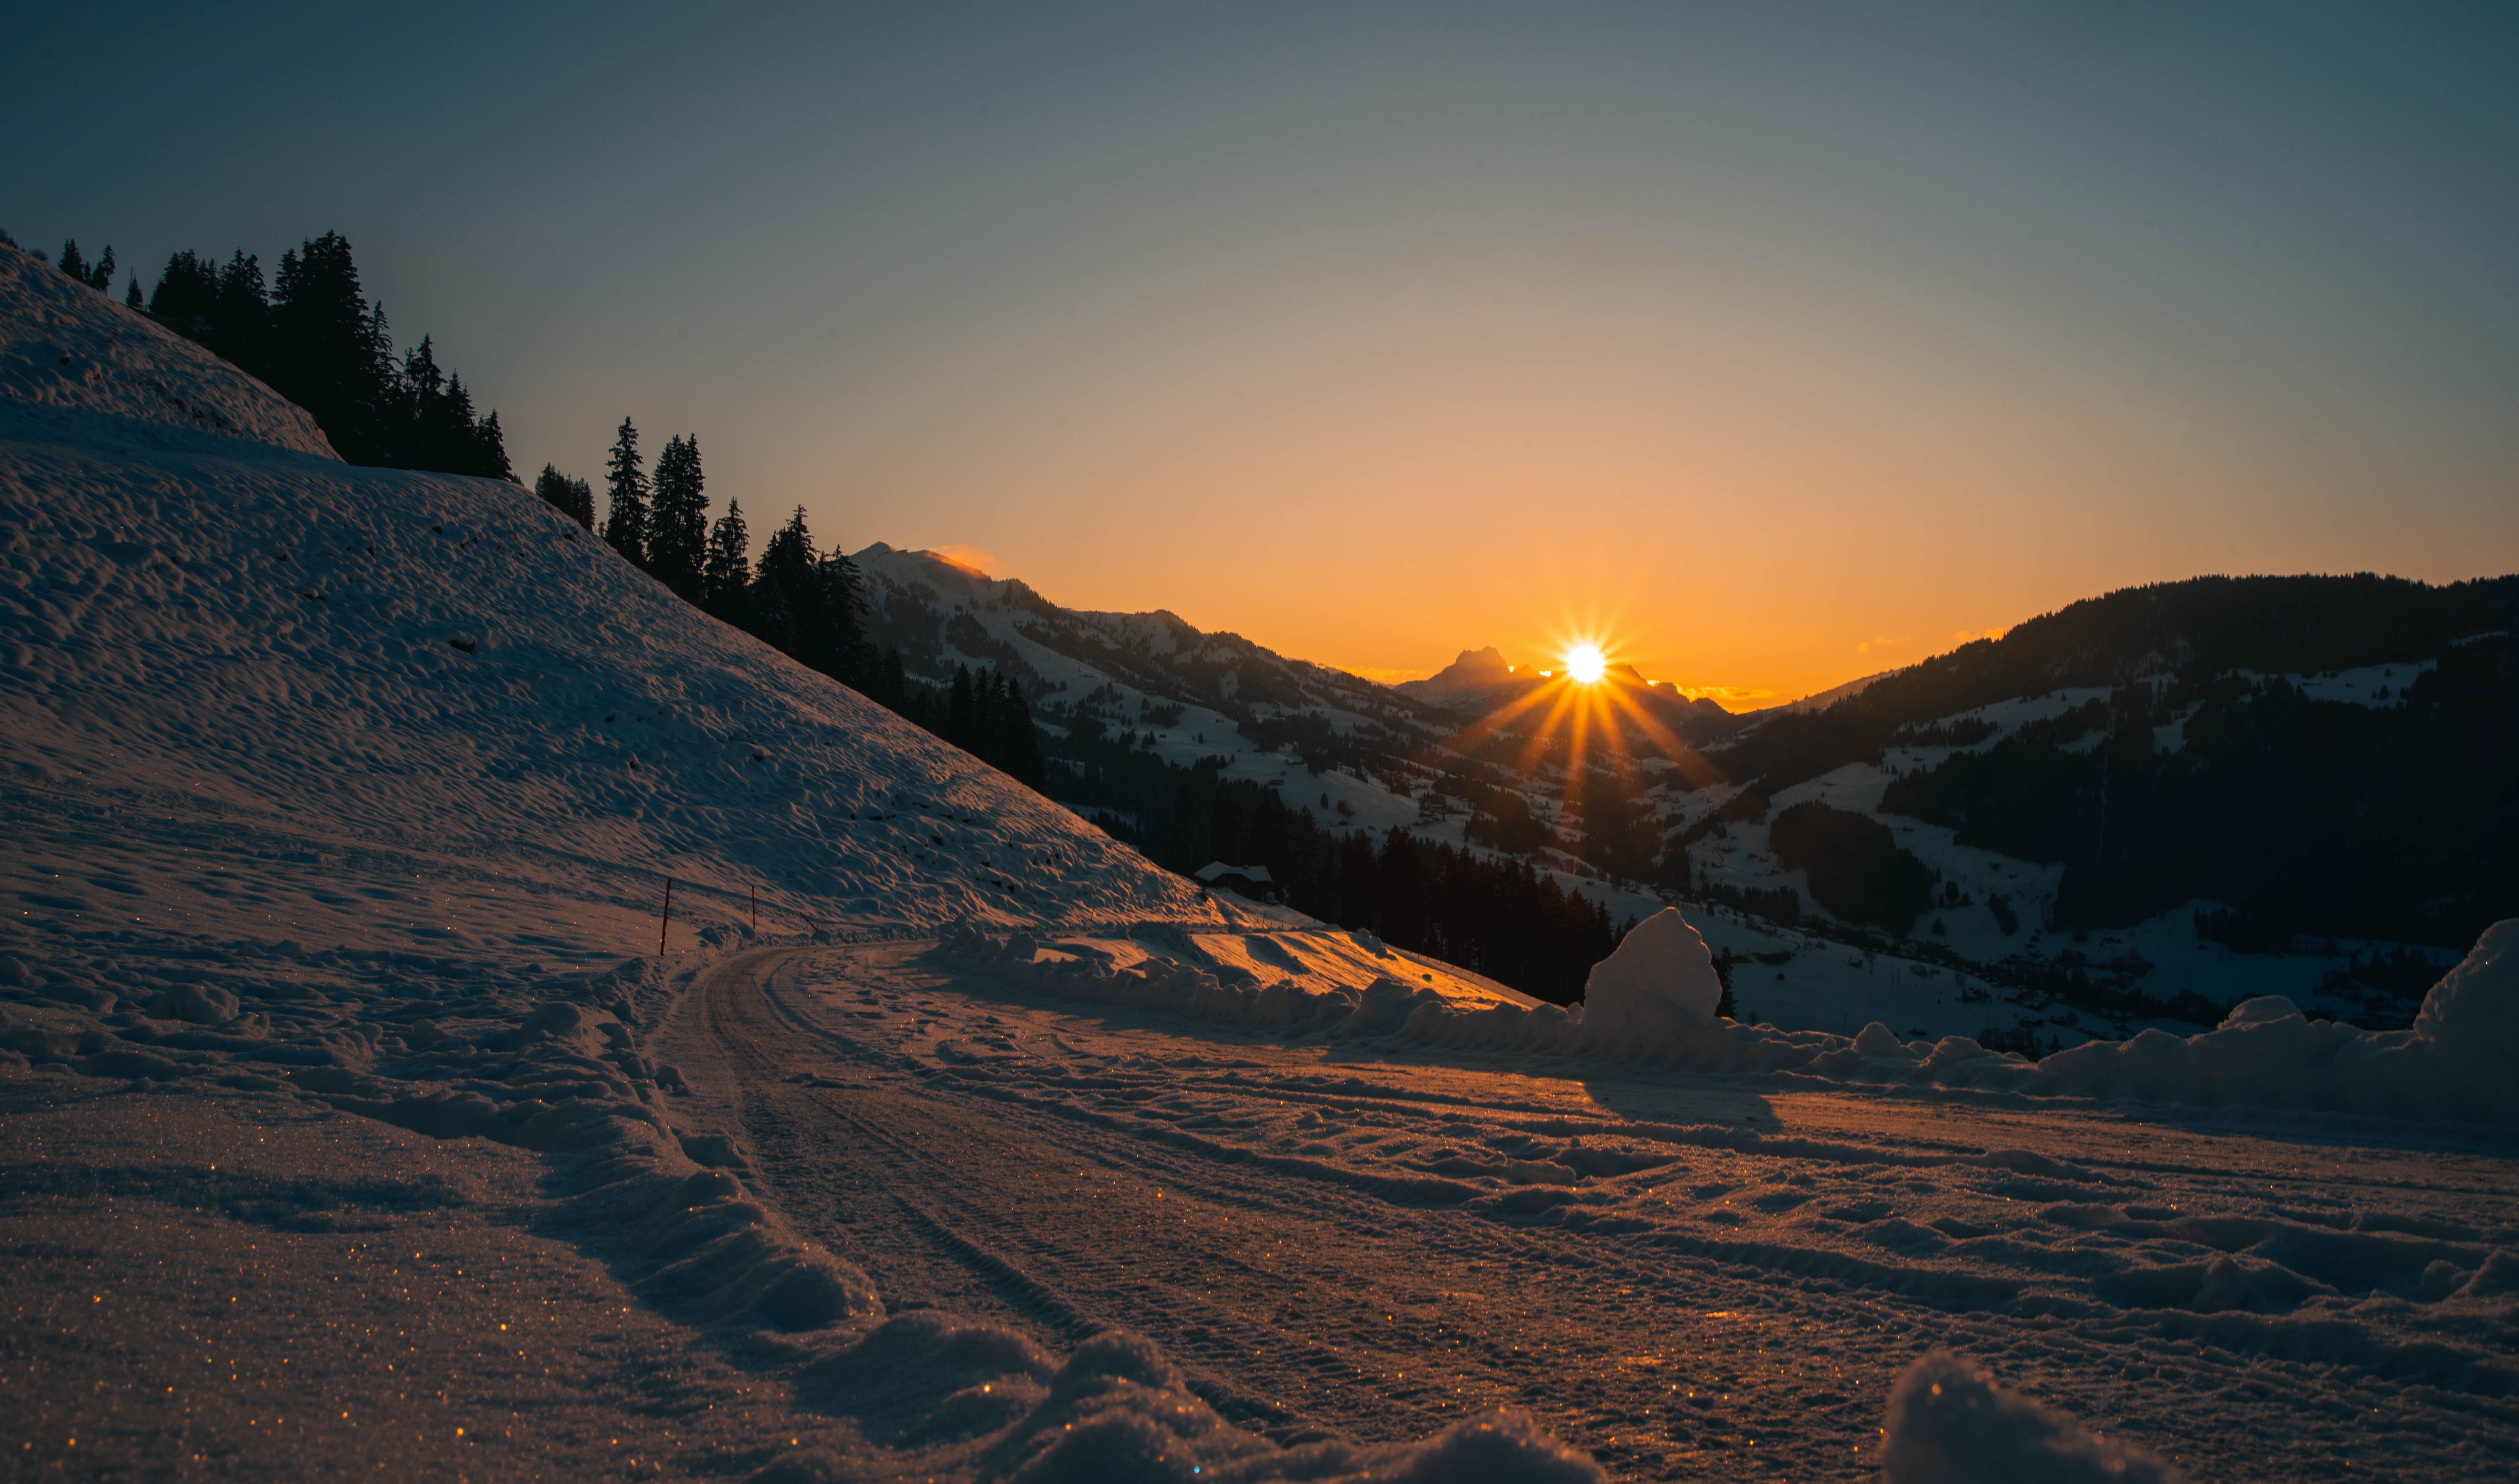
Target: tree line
(312, 336)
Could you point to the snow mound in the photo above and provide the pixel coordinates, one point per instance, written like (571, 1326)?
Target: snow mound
(98, 369)
(2473, 1012)
(1115, 1412)
(1950, 1424)
(1660, 978)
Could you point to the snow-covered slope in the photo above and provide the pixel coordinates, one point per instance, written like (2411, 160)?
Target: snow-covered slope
(61, 355)
(364, 670)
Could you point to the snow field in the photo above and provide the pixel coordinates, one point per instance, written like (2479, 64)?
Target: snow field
(2249, 1296)
(209, 1282)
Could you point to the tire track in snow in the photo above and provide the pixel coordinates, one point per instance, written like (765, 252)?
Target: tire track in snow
(1033, 1139)
(1345, 1323)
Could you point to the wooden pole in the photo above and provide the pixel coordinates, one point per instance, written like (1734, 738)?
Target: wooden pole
(667, 919)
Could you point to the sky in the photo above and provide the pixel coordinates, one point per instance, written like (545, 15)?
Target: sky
(1772, 346)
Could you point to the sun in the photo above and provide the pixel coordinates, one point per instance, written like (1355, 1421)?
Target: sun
(1586, 663)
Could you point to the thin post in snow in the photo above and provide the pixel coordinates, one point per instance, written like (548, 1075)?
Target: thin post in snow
(666, 919)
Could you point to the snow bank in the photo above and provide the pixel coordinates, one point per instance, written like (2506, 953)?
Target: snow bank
(2461, 1059)
(1653, 1001)
(1660, 979)
(1950, 1424)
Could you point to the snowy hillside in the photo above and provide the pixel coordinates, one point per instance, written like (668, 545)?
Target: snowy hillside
(389, 706)
(118, 379)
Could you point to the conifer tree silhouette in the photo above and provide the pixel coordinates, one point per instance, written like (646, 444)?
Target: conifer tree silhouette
(727, 572)
(624, 522)
(572, 498)
(677, 518)
(329, 355)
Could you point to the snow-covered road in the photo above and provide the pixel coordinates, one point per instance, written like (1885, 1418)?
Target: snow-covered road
(1691, 1277)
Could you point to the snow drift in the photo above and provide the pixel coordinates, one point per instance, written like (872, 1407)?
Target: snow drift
(1654, 998)
(2461, 1059)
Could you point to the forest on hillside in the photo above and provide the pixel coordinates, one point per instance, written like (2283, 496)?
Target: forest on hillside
(2203, 773)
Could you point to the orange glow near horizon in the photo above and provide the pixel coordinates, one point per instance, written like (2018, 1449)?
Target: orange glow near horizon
(1379, 481)
(1599, 715)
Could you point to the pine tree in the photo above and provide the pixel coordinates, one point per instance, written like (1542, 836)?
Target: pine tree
(727, 572)
(624, 524)
(572, 498)
(187, 293)
(1022, 760)
(332, 358)
(892, 682)
(961, 713)
(131, 295)
(454, 428)
(489, 449)
(428, 434)
(677, 518)
(785, 602)
(73, 263)
(840, 648)
(239, 316)
(100, 278)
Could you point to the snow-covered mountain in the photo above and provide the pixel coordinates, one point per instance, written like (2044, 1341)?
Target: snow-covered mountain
(1196, 694)
(2226, 786)
(1357, 755)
